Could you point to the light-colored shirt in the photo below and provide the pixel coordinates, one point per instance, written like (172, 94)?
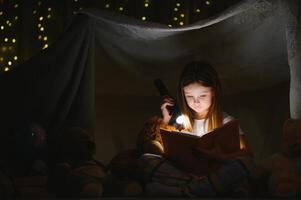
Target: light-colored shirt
(200, 126)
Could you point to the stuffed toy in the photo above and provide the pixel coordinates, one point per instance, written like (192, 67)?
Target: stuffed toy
(76, 173)
(280, 174)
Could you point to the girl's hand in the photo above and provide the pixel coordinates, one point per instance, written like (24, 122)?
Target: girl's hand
(167, 101)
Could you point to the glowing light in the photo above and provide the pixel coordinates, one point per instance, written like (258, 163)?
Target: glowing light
(181, 23)
(41, 18)
(146, 5)
(39, 25)
(6, 69)
(75, 0)
(1, 13)
(45, 38)
(2, 27)
(16, 17)
(14, 40)
(5, 39)
(10, 24)
(107, 5)
(175, 9)
(143, 18)
(34, 12)
(42, 29)
(178, 4)
(121, 8)
(15, 58)
(198, 10)
(49, 16)
(180, 119)
(45, 46)
(9, 63)
(1, 59)
(39, 37)
(169, 25)
(175, 18)
(207, 3)
(16, 5)
(7, 21)
(49, 9)
(183, 120)
(182, 15)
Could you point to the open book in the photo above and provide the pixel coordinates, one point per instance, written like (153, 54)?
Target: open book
(201, 155)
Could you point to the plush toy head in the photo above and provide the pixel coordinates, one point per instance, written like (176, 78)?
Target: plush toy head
(75, 145)
(26, 144)
(292, 137)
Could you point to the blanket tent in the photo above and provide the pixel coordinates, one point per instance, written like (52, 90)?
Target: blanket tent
(99, 73)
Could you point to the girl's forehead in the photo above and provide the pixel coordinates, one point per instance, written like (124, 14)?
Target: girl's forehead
(196, 87)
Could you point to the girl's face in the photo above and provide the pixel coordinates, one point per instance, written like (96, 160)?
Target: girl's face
(198, 98)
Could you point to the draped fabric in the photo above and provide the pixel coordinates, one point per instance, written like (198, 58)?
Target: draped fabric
(293, 35)
(55, 88)
(98, 75)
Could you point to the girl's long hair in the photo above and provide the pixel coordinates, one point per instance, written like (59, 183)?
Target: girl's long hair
(204, 74)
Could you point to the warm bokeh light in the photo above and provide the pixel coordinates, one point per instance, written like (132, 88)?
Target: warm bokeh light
(45, 46)
(48, 19)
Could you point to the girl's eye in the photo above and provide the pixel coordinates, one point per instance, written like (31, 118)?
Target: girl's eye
(203, 96)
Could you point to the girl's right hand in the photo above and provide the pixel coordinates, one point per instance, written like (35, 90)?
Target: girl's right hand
(167, 101)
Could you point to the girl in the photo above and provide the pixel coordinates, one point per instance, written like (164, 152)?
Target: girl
(200, 101)
(199, 98)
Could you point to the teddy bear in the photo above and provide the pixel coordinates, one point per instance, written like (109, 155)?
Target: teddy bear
(280, 174)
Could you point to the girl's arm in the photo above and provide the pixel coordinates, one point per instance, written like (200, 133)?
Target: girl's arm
(149, 139)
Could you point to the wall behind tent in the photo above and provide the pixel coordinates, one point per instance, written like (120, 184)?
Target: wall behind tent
(262, 114)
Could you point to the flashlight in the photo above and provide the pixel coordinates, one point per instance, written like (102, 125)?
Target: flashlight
(176, 117)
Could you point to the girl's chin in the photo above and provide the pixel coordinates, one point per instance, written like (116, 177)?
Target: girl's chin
(199, 112)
